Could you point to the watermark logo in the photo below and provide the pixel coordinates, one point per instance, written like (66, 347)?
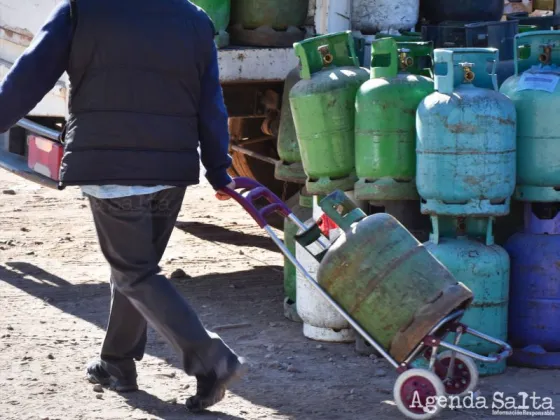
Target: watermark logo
(522, 404)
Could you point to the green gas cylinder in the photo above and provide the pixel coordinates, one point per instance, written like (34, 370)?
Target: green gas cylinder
(277, 14)
(466, 247)
(268, 23)
(527, 28)
(219, 12)
(303, 211)
(386, 120)
(535, 91)
(323, 110)
(289, 168)
(385, 279)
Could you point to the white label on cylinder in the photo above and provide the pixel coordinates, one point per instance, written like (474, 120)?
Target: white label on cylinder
(546, 82)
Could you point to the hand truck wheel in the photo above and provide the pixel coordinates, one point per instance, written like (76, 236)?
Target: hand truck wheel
(464, 377)
(417, 392)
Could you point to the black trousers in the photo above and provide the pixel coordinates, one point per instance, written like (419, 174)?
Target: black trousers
(133, 233)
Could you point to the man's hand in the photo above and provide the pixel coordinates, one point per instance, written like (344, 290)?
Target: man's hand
(222, 196)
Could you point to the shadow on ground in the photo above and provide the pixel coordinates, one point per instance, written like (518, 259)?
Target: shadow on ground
(223, 235)
(246, 290)
(167, 410)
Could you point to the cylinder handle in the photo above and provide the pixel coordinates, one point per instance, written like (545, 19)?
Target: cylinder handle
(332, 50)
(534, 48)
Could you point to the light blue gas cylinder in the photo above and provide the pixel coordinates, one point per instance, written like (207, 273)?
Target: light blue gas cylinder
(466, 247)
(466, 146)
(535, 91)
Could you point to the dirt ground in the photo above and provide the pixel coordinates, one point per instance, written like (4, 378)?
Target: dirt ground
(54, 300)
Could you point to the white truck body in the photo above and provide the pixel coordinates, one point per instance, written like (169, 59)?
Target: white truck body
(20, 20)
(252, 79)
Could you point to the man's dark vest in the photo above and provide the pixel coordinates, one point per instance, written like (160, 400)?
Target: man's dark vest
(135, 71)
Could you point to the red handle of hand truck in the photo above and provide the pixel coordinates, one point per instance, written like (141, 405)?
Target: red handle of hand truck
(257, 191)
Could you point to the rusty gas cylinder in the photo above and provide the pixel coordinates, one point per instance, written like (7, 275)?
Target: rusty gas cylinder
(385, 279)
(465, 144)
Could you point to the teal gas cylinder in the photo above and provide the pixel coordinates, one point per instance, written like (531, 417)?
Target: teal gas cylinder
(535, 91)
(289, 168)
(323, 110)
(385, 128)
(219, 11)
(465, 147)
(303, 211)
(466, 247)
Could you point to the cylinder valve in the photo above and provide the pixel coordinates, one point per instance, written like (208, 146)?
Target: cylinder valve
(326, 55)
(467, 72)
(405, 60)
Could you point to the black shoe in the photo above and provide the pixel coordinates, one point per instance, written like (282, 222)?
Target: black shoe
(112, 376)
(211, 389)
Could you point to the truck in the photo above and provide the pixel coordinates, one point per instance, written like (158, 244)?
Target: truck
(252, 80)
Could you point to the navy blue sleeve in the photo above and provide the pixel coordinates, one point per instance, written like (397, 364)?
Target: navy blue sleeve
(38, 69)
(213, 124)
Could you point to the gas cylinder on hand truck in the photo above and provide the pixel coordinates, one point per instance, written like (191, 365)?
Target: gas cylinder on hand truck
(321, 322)
(323, 110)
(534, 309)
(289, 168)
(268, 23)
(466, 147)
(372, 16)
(219, 12)
(535, 91)
(406, 281)
(303, 211)
(385, 279)
(466, 247)
(385, 127)
(407, 212)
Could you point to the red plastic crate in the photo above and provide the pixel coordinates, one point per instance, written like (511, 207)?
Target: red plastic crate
(326, 224)
(44, 156)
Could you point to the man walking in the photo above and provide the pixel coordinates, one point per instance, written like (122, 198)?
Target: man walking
(145, 95)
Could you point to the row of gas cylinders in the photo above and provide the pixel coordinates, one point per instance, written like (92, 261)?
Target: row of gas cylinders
(407, 130)
(385, 275)
(279, 23)
(264, 23)
(400, 137)
(481, 34)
